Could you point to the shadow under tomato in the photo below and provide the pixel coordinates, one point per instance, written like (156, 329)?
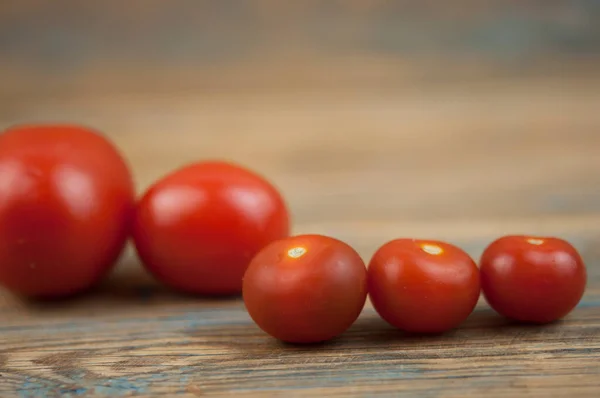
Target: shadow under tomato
(371, 330)
(486, 318)
(320, 345)
(133, 283)
(128, 287)
(370, 327)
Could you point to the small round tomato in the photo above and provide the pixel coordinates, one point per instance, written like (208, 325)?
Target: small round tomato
(305, 289)
(423, 286)
(197, 229)
(532, 279)
(66, 201)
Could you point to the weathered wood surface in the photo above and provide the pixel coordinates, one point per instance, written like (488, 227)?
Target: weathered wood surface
(366, 153)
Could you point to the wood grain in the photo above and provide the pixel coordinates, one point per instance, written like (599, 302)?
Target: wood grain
(73, 47)
(366, 141)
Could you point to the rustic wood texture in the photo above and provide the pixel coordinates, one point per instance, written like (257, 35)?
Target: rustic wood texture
(377, 120)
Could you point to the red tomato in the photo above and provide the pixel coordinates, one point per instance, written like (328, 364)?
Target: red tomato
(66, 200)
(197, 229)
(532, 279)
(423, 286)
(305, 289)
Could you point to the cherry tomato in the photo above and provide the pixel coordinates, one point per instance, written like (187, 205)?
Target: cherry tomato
(532, 279)
(305, 289)
(66, 201)
(197, 229)
(423, 286)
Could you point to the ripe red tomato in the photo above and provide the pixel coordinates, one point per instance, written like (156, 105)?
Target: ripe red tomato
(197, 229)
(305, 289)
(423, 286)
(532, 279)
(66, 200)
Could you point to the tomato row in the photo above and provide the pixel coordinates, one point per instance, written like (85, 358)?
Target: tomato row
(68, 207)
(312, 288)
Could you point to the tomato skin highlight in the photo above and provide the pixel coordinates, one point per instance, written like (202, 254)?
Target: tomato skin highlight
(66, 202)
(532, 279)
(423, 286)
(197, 229)
(306, 288)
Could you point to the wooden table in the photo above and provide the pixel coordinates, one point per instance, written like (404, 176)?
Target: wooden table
(365, 149)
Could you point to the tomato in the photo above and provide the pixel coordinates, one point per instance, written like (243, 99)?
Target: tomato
(66, 201)
(197, 229)
(532, 279)
(423, 286)
(305, 289)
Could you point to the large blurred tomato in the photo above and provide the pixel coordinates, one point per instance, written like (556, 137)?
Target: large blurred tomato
(198, 228)
(66, 198)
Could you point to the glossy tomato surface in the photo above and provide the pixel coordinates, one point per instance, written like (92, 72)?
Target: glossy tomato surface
(66, 201)
(423, 286)
(197, 229)
(305, 289)
(532, 279)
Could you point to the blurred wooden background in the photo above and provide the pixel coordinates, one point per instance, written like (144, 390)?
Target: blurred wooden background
(148, 46)
(458, 120)
(406, 111)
